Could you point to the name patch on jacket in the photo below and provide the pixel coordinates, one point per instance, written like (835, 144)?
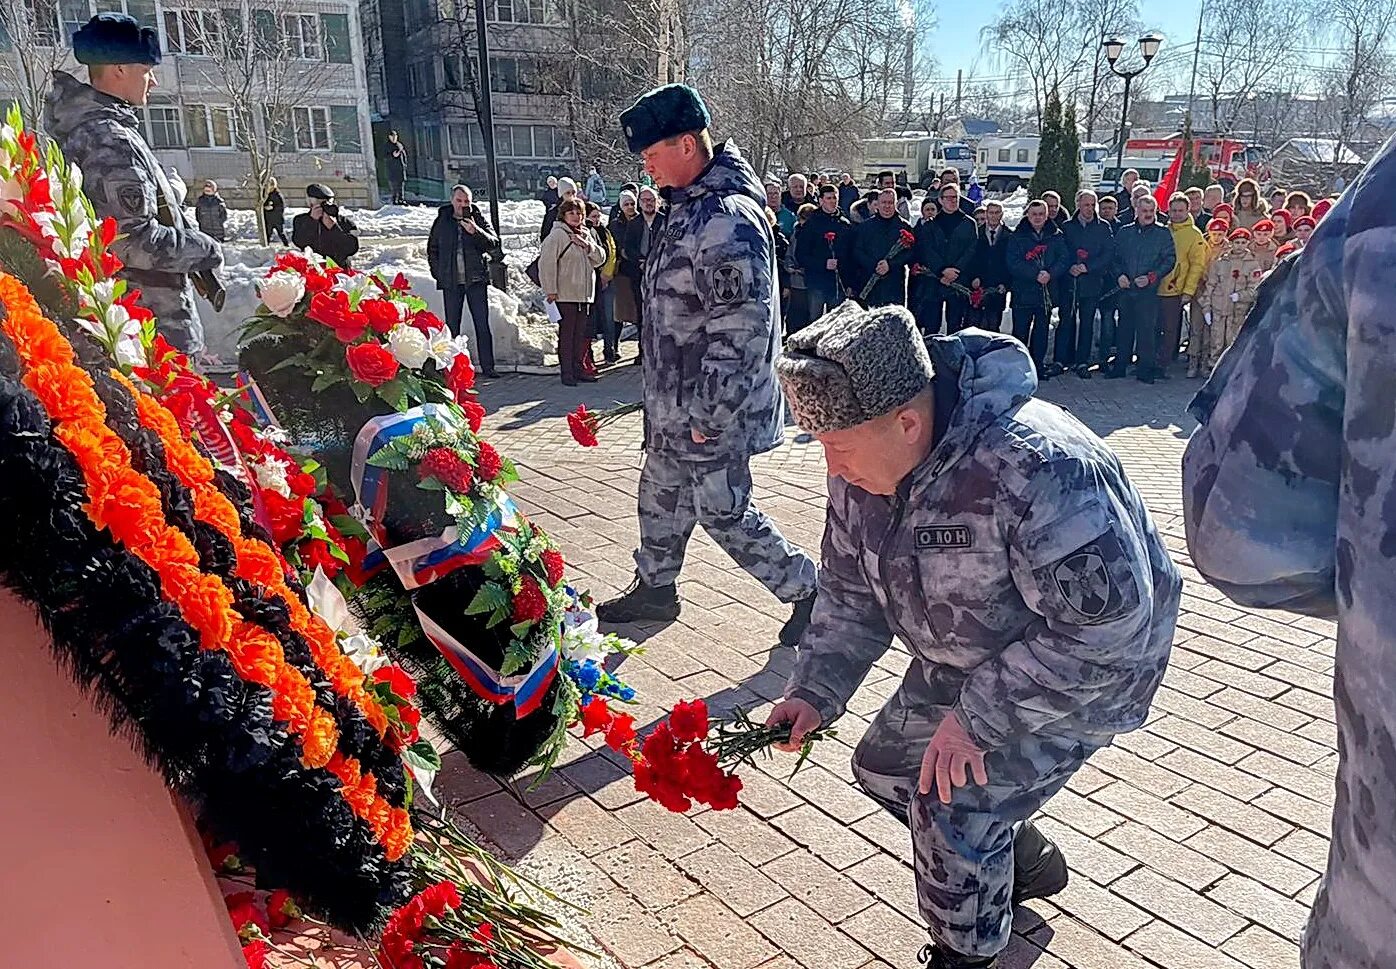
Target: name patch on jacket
(942, 536)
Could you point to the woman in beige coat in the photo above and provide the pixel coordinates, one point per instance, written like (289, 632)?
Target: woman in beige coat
(567, 267)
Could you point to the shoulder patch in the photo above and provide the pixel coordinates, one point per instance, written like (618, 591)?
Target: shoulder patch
(127, 196)
(1084, 582)
(731, 283)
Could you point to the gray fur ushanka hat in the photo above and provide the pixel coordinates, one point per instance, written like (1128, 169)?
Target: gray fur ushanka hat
(852, 366)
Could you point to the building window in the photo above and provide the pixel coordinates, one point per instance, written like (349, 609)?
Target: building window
(195, 32)
(162, 127)
(312, 127)
(519, 12)
(302, 36)
(208, 126)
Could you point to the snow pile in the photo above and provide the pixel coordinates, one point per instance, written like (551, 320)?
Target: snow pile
(392, 241)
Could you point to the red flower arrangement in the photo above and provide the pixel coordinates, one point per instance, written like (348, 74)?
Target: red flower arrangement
(585, 424)
(1082, 255)
(448, 467)
(829, 237)
(371, 363)
(430, 931)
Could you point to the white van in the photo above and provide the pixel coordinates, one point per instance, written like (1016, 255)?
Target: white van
(1008, 161)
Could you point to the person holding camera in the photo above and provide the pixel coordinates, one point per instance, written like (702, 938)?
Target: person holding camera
(459, 250)
(323, 229)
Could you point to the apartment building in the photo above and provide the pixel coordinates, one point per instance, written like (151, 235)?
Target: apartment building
(326, 136)
(422, 65)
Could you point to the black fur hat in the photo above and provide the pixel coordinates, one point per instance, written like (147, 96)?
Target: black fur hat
(115, 38)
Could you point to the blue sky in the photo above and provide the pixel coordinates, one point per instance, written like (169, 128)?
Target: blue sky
(955, 40)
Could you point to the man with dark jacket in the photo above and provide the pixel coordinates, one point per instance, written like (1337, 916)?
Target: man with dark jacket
(641, 237)
(1037, 259)
(1108, 210)
(324, 229)
(848, 192)
(397, 167)
(459, 251)
(870, 255)
(99, 130)
(958, 239)
(1091, 246)
(818, 254)
(991, 268)
(1124, 198)
(1144, 254)
(615, 215)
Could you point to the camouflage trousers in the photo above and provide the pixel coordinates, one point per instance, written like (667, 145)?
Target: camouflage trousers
(677, 494)
(1212, 340)
(963, 851)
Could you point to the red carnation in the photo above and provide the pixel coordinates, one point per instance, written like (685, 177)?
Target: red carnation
(553, 566)
(1235, 274)
(424, 320)
(596, 716)
(397, 679)
(224, 857)
(436, 899)
(460, 376)
(489, 463)
(282, 909)
(1081, 255)
(530, 605)
(448, 467)
(255, 954)
(474, 413)
(620, 735)
(371, 363)
(689, 721)
(906, 239)
(583, 426)
(316, 553)
(382, 315)
(285, 516)
(829, 237)
(248, 918)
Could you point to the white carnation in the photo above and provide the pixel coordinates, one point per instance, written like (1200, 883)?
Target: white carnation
(281, 292)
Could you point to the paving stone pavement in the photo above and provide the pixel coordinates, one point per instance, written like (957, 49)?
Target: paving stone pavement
(1195, 842)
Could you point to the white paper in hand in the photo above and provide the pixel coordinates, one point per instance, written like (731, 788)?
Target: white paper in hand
(554, 314)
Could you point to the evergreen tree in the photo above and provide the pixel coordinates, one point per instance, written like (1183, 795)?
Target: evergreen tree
(1047, 172)
(1070, 179)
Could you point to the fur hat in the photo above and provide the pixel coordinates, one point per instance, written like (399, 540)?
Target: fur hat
(852, 366)
(115, 38)
(663, 113)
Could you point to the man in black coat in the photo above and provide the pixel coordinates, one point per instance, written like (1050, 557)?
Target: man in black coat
(1037, 260)
(958, 237)
(990, 269)
(324, 229)
(870, 255)
(641, 237)
(397, 168)
(1124, 198)
(1091, 246)
(1108, 210)
(1144, 254)
(848, 192)
(459, 250)
(818, 254)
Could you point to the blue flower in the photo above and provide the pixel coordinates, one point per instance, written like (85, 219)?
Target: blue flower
(588, 675)
(627, 693)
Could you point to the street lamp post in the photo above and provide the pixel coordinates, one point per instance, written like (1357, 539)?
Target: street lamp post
(1114, 47)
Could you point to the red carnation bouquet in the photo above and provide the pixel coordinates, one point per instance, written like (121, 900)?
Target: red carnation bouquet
(905, 242)
(1038, 254)
(690, 757)
(585, 424)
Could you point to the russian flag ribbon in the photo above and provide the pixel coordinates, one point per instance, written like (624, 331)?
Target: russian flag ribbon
(525, 690)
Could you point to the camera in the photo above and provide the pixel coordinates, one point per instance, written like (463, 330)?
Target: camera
(330, 209)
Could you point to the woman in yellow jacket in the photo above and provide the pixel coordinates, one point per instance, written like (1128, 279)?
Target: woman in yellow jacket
(1179, 286)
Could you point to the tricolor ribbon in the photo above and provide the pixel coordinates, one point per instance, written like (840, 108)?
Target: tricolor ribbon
(525, 690)
(425, 560)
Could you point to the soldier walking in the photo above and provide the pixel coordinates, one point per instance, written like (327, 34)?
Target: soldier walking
(98, 129)
(710, 342)
(1000, 540)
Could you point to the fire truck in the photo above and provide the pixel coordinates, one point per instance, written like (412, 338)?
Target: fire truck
(1229, 159)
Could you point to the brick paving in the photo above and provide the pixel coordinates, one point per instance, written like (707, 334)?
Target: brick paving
(1195, 842)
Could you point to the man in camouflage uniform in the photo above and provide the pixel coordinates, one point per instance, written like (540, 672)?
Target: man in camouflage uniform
(710, 343)
(99, 131)
(1000, 541)
(1289, 489)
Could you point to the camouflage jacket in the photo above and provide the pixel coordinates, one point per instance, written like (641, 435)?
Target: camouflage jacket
(1017, 563)
(712, 319)
(1289, 493)
(1233, 270)
(101, 134)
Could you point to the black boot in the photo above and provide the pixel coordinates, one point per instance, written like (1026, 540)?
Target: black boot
(934, 957)
(795, 626)
(1039, 867)
(641, 603)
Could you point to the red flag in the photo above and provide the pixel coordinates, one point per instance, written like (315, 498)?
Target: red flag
(1169, 183)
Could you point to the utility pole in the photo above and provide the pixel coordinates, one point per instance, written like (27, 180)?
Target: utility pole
(959, 90)
(1196, 52)
(487, 111)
